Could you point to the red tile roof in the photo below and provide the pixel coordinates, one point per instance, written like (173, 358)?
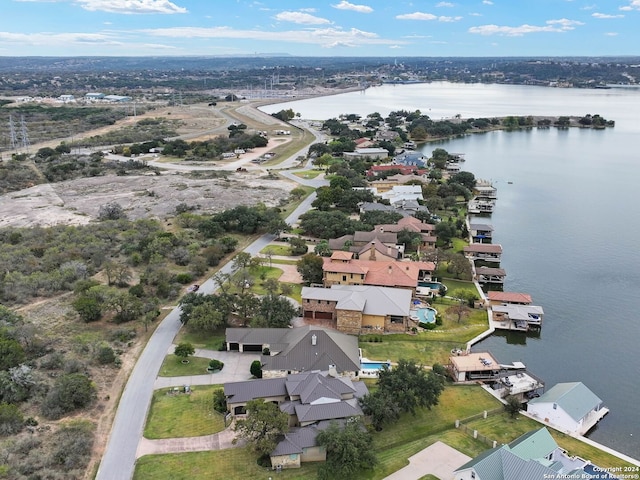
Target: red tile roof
(382, 273)
(509, 297)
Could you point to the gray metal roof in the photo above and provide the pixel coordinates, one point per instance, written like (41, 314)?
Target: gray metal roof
(573, 397)
(326, 411)
(296, 440)
(331, 348)
(240, 392)
(255, 336)
(315, 385)
(369, 299)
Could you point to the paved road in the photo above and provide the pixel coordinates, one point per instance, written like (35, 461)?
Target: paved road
(118, 461)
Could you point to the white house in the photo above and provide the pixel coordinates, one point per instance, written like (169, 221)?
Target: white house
(570, 407)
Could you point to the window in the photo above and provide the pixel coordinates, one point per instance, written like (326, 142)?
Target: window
(555, 406)
(344, 278)
(473, 474)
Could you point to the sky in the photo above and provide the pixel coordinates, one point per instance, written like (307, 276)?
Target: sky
(361, 28)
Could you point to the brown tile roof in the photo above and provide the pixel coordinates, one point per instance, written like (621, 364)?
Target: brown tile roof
(483, 248)
(509, 297)
(342, 255)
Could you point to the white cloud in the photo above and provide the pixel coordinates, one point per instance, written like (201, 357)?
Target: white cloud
(301, 18)
(131, 6)
(606, 15)
(326, 37)
(561, 25)
(611, 34)
(344, 5)
(57, 39)
(487, 2)
(633, 5)
(417, 16)
(444, 4)
(426, 17)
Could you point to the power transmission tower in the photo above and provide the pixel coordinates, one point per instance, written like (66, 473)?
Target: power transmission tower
(24, 134)
(12, 134)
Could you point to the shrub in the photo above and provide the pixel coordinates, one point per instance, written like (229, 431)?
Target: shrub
(69, 393)
(53, 361)
(184, 278)
(219, 401)
(11, 420)
(105, 355)
(215, 365)
(123, 335)
(256, 369)
(72, 445)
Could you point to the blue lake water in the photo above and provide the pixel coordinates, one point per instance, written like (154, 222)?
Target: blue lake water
(567, 217)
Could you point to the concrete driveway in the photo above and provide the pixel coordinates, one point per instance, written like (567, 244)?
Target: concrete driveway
(236, 369)
(438, 459)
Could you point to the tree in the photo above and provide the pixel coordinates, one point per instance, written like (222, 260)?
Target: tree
(298, 246)
(322, 248)
(274, 312)
(513, 406)
(183, 350)
(262, 427)
(349, 450)
(310, 268)
(411, 385)
(256, 369)
(380, 407)
(297, 193)
(459, 266)
(241, 261)
(205, 318)
(111, 211)
(88, 307)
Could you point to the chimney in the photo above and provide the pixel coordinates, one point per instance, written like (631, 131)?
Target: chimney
(372, 252)
(333, 372)
(314, 339)
(390, 270)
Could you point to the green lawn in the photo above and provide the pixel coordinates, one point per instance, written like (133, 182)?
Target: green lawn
(231, 464)
(181, 415)
(453, 285)
(504, 429)
(207, 341)
(282, 250)
(427, 347)
(173, 366)
(394, 445)
(308, 173)
(283, 261)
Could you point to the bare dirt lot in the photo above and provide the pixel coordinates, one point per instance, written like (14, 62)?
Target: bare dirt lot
(149, 196)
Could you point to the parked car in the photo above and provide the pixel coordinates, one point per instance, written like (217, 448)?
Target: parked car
(193, 288)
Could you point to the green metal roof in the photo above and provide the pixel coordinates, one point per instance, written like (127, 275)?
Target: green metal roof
(574, 398)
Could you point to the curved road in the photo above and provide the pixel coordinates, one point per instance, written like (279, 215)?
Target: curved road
(118, 461)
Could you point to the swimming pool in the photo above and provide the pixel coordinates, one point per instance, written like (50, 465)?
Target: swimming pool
(432, 285)
(424, 315)
(368, 365)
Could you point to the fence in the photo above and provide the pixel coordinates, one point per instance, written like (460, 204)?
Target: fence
(460, 424)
